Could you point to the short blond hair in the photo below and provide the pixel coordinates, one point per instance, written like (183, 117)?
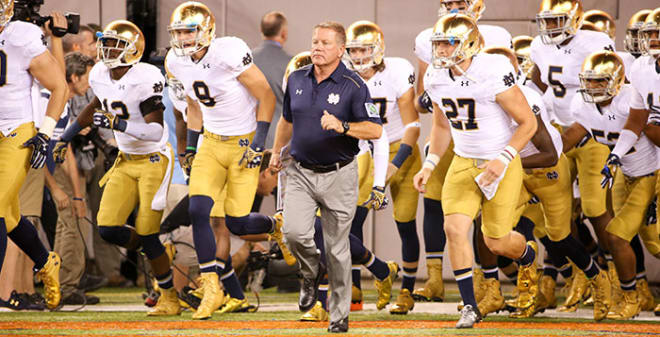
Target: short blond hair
(336, 27)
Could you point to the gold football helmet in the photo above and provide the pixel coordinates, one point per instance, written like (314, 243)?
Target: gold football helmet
(457, 30)
(522, 47)
(649, 34)
(473, 8)
(296, 62)
(510, 54)
(367, 37)
(191, 17)
(601, 77)
(558, 20)
(602, 21)
(631, 43)
(120, 44)
(6, 11)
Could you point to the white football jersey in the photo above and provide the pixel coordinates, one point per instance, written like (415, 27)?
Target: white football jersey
(645, 78)
(122, 98)
(480, 128)
(386, 87)
(628, 60)
(560, 67)
(538, 108)
(227, 106)
(20, 42)
(493, 36)
(605, 125)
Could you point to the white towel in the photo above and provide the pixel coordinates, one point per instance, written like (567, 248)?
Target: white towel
(160, 198)
(490, 190)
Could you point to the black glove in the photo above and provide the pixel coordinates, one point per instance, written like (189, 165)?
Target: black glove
(39, 145)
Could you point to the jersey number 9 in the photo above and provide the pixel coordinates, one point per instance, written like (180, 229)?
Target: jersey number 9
(203, 94)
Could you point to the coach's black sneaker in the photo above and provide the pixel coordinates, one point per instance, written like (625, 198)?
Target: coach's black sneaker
(309, 291)
(469, 317)
(339, 326)
(80, 298)
(15, 302)
(89, 282)
(34, 301)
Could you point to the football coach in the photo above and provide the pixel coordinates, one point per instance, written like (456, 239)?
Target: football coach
(326, 110)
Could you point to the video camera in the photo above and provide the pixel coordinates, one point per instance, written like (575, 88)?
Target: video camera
(28, 11)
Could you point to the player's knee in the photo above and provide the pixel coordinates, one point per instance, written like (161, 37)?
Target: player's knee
(200, 209)
(151, 246)
(497, 246)
(236, 225)
(114, 234)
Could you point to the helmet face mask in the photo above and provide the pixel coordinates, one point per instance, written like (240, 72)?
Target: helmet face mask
(558, 20)
(192, 28)
(553, 28)
(650, 41)
(361, 58)
(6, 11)
(121, 44)
(365, 45)
(440, 59)
(602, 77)
(631, 43)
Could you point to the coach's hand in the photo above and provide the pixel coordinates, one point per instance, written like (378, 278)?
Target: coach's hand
(330, 122)
(39, 145)
(275, 163)
(421, 178)
(59, 151)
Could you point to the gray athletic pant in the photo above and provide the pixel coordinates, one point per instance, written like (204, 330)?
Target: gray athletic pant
(335, 194)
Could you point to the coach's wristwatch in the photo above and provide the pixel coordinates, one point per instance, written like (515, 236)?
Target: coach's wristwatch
(346, 127)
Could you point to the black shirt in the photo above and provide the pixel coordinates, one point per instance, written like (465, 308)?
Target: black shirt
(342, 94)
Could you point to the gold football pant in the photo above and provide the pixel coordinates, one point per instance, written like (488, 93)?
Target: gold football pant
(586, 162)
(216, 165)
(14, 165)
(461, 194)
(631, 197)
(133, 181)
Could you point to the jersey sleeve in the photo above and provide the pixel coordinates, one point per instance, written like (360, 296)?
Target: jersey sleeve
(600, 41)
(637, 100)
(151, 85)
(404, 76)
(502, 75)
(237, 55)
(423, 46)
(362, 107)
(579, 107)
(35, 41)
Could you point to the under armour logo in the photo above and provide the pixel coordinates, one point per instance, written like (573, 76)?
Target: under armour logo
(206, 66)
(247, 59)
(509, 80)
(611, 117)
(243, 142)
(298, 91)
(465, 83)
(122, 87)
(552, 175)
(158, 87)
(567, 51)
(154, 158)
(536, 109)
(44, 40)
(333, 99)
(610, 48)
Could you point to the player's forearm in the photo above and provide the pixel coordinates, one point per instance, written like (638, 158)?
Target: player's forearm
(523, 134)
(653, 133)
(181, 128)
(152, 132)
(86, 117)
(266, 106)
(282, 135)
(539, 160)
(365, 130)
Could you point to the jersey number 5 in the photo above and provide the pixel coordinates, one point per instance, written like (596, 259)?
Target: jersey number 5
(452, 114)
(558, 88)
(203, 94)
(3, 68)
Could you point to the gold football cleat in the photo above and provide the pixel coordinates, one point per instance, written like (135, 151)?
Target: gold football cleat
(213, 298)
(234, 305)
(630, 308)
(50, 276)
(527, 285)
(478, 279)
(356, 298)
(601, 294)
(493, 301)
(404, 303)
(547, 288)
(578, 288)
(316, 314)
(167, 305)
(434, 289)
(384, 287)
(278, 236)
(646, 299)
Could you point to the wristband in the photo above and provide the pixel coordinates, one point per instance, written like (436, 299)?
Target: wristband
(47, 126)
(192, 139)
(260, 135)
(507, 155)
(431, 161)
(402, 154)
(415, 124)
(77, 199)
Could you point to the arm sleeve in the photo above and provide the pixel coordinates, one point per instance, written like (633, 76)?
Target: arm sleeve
(381, 159)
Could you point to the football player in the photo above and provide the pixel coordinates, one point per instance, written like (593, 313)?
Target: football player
(232, 99)
(547, 178)
(434, 236)
(475, 97)
(390, 81)
(645, 101)
(604, 106)
(237, 300)
(129, 102)
(23, 58)
(558, 53)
